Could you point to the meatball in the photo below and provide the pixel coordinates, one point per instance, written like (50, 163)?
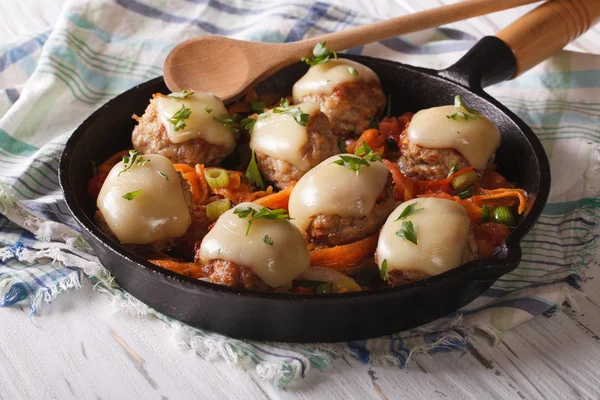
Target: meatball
(334, 230)
(425, 164)
(321, 145)
(348, 92)
(227, 273)
(150, 137)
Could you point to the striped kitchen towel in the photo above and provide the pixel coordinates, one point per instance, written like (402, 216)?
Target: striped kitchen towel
(50, 82)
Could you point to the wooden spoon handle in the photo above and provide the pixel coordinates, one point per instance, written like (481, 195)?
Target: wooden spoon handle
(548, 28)
(404, 24)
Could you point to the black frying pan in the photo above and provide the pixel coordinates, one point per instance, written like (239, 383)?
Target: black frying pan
(329, 317)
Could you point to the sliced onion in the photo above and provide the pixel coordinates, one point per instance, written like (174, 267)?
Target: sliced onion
(217, 207)
(216, 177)
(339, 282)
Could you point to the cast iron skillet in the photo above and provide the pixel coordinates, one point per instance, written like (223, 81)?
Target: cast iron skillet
(320, 318)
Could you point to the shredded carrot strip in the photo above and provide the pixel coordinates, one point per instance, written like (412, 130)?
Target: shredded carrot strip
(276, 200)
(500, 193)
(107, 165)
(441, 185)
(201, 173)
(372, 137)
(348, 259)
(190, 269)
(183, 168)
(405, 189)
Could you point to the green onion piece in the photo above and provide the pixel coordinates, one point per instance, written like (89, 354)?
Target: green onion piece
(485, 214)
(217, 207)
(216, 177)
(503, 215)
(253, 173)
(323, 288)
(464, 180)
(468, 192)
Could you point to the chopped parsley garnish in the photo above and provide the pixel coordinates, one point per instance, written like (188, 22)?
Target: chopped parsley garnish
(248, 124)
(253, 173)
(383, 270)
(179, 117)
(228, 122)
(132, 195)
(208, 109)
(408, 231)
(408, 211)
(181, 95)
(460, 115)
(352, 71)
(267, 239)
(263, 213)
(296, 113)
(257, 107)
(321, 55)
(164, 176)
(133, 159)
(453, 170)
(366, 157)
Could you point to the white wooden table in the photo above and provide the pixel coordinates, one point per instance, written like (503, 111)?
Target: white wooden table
(78, 348)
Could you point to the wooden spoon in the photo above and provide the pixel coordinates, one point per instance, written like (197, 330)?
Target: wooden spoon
(228, 67)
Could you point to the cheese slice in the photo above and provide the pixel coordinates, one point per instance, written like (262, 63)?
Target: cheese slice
(158, 212)
(476, 139)
(280, 136)
(200, 123)
(277, 264)
(442, 227)
(323, 78)
(334, 189)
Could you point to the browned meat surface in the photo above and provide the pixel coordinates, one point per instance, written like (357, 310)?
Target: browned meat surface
(333, 230)
(401, 277)
(351, 107)
(227, 273)
(425, 164)
(150, 137)
(321, 145)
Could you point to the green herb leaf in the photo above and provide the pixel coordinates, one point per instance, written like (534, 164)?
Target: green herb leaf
(465, 193)
(459, 115)
(351, 162)
(164, 176)
(258, 107)
(253, 173)
(352, 71)
(248, 124)
(383, 270)
(179, 117)
(341, 145)
(181, 95)
(133, 159)
(267, 239)
(296, 113)
(132, 195)
(408, 211)
(263, 213)
(453, 170)
(228, 122)
(208, 109)
(485, 214)
(321, 55)
(408, 231)
(366, 152)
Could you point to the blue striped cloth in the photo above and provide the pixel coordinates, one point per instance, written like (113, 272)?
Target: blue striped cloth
(50, 82)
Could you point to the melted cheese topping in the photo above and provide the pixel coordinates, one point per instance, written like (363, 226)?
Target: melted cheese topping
(277, 265)
(322, 78)
(476, 139)
(158, 212)
(334, 189)
(279, 136)
(443, 228)
(200, 123)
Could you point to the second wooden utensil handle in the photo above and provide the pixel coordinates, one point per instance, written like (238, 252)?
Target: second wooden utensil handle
(548, 28)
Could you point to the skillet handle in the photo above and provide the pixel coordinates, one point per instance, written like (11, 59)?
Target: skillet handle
(547, 29)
